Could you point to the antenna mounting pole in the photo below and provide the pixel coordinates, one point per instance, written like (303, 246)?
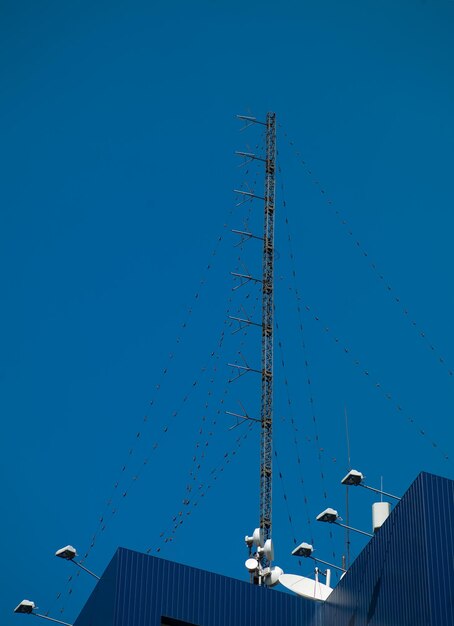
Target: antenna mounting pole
(266, 413)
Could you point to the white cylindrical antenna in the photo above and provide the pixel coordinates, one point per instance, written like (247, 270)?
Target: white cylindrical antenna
(328, 577)
(380, 513)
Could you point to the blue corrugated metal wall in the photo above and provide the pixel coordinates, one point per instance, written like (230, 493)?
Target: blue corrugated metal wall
(403, 577)
(438, 496)
(149, 588)
(99, 609)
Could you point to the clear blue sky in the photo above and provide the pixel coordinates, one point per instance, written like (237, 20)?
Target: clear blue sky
(117, 170)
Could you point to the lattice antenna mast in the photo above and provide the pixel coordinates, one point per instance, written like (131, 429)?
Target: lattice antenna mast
(266, 414)
(264, 552)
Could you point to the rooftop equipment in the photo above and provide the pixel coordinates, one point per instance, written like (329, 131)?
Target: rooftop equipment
(28, 607)
(332, 517)
(68, 553)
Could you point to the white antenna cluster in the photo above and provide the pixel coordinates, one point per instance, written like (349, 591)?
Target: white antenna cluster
(269, 575)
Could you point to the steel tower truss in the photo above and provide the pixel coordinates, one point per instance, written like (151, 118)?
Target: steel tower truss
(266, 413)
(267, 324)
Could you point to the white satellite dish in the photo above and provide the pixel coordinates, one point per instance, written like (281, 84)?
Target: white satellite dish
(274, 576)
(306, 587)
(257, 537)
(268, 549)
(251, 565)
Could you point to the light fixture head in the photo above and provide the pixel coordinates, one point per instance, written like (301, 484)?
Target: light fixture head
(26, 606)
(328, 515)
(68, 553)
(304, 549)
(353, 477)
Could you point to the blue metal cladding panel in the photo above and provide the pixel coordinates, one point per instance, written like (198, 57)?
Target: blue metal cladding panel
(439, 500)
(149, 588)
(99, 608)
(404, 576)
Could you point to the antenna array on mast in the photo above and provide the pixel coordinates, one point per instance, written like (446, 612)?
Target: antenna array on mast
(267, 322)
(266, 414)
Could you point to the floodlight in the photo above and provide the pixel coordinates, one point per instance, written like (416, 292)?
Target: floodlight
(353, 478)
(26, 606)
(68, 553)
(331, 516)
(328, 515)
(304, 549)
